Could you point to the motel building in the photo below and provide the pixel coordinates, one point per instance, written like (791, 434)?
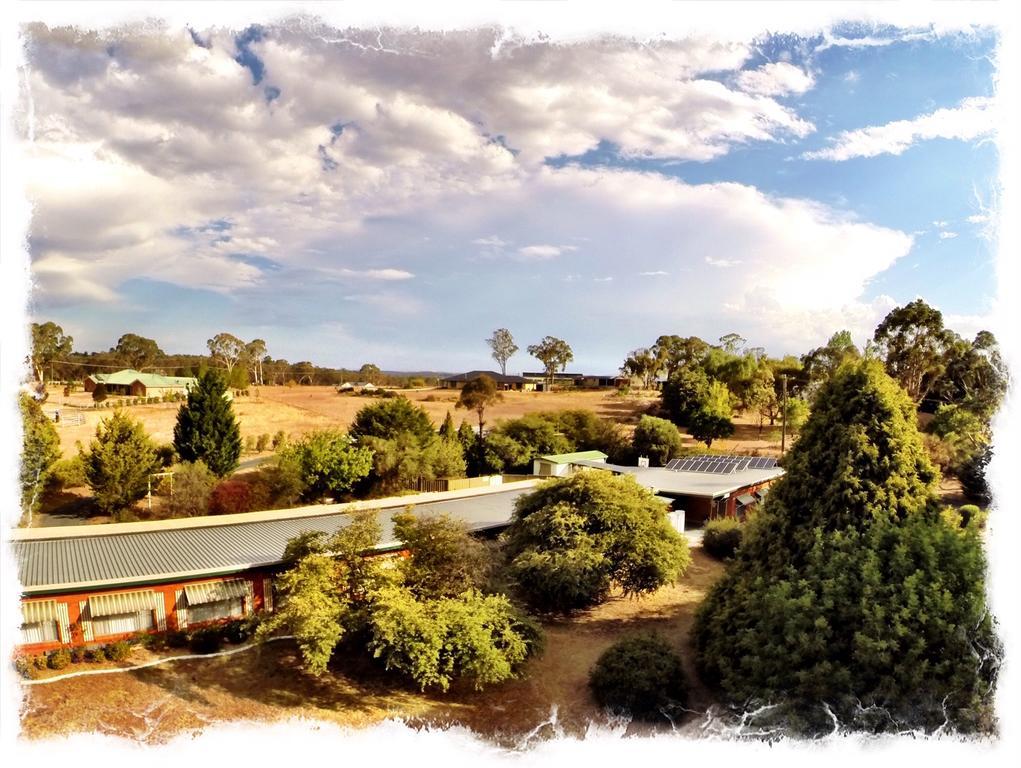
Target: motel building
(97, 584)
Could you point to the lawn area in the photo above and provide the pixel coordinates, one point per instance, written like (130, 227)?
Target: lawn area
(265, 684)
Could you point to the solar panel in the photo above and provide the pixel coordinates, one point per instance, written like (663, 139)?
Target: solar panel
(718, 464)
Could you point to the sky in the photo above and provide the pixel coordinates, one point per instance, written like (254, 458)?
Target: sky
(393, 196)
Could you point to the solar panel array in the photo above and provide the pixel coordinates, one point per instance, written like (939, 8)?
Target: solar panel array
(720, 465)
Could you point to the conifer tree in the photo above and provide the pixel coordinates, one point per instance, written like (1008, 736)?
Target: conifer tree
(850, 597)
(206, 428)
(40, 448)
(118, 462)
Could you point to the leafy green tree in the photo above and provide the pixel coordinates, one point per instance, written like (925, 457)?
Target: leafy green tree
(481, 638)
(445, 560)
(389, 418)
(796, 414)
(503, 347)
(823, 362)
(226, 350)
(913, 343)
(732, 342)
(136, 351)
(329, 462)
(673, 352)
(40, 449)
(370, 373)
(572, 539)
(119, 462)
(206, 427)
(535, 434)
(477, 395)
(849, 596)
(974, 376)
(658, 439)
(255, 355)
(554, 354)
(684, 392)
(641, 677)
(323, 593)
(712, 419)
(444, 458)
(641, 364)
(447, 429)
(49, 344)
(584, 431)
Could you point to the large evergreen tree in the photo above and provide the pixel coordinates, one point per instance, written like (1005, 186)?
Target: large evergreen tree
(40, 448)
(206, 427)
(850, 597)
(118, 463)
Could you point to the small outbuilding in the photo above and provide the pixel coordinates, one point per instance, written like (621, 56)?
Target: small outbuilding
(563, 464)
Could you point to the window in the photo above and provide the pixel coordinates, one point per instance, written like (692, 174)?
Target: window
(39, 632)
(221, 609)
(122, 623)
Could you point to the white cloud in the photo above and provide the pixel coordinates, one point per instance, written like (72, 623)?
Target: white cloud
(978, 218)
(654, 273)
(721, 263)
(490, 242)
(602, 279)
(852, 76)
(378, 274)
(974, 118)
(941, 223)
(775, 79)
(947, 235)
(545, 251)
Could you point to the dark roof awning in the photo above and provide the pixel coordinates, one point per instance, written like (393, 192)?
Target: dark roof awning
(215, 591)
(745, 499)
(762, 493)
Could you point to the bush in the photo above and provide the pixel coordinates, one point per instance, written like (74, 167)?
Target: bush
(95, 655)
(639, 676)
(231, 497)
(99, 393)
(206, 640)
(78, 654)
(39, 662)
(262, 443)
(68, 473)
(25, 667)
(237, 631)
(193, 486)
(177, 639)
(279, 440)
(118, 651)
(658, 439)
(59, 659)
(722, 537)
(250, 444)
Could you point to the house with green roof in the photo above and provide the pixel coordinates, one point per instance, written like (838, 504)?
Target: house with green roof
(562, 464)
(133, 383)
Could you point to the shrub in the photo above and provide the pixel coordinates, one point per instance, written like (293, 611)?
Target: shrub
(231, 497)
(59, 659)
(24, 667)
(67, 473)
(78, 654)
(262, 443)
(193, 486)
(639, 676)
(237, 631)
(721, 537)
(279, 440)
(658, 439)
(118, 651)
(118, 463)
(39, 662)
(250, 444)
(206, 640)
(99, 393)
(95, 655)
(177, 639)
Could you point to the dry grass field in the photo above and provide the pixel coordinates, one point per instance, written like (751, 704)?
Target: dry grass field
(265, 684)
(297, 410)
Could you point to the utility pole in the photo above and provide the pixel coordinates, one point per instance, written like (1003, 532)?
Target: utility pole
(783, 428)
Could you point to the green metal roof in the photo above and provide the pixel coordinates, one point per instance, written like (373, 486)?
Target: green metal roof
(567, 458)
(129, 376)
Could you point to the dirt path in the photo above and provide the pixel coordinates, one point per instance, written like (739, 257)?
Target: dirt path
(155, 704)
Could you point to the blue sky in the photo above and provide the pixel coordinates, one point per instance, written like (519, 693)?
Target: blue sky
(353, 197)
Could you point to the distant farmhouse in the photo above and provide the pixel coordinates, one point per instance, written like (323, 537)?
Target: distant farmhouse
(581, 380)
(137, 384)
(503, 381)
